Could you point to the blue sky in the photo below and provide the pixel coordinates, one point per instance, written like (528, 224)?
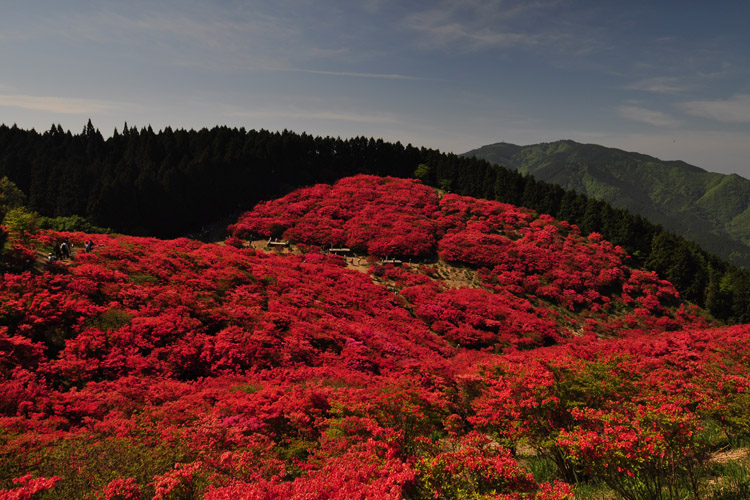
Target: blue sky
(666, 78)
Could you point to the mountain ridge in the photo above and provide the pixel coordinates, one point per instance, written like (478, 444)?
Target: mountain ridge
(707, 207)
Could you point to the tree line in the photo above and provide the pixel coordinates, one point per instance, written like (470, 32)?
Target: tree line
(168, 183)
(173, 182)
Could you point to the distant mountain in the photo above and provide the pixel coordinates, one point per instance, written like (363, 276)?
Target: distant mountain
(709, 208)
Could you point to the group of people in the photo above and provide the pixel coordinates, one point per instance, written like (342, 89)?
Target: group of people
(63, 250)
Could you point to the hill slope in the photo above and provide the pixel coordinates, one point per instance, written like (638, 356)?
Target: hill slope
(709, 208)
(178, 369)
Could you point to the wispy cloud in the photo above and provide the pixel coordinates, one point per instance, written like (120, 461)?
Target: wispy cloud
(62, 105)
(385, 76)
(473, 25)
(660, 85)
(179, 34)
(469, 26)
(341, 116)
(733, 110)
(649, 116)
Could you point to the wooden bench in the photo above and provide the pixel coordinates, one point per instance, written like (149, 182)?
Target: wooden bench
(391, 261)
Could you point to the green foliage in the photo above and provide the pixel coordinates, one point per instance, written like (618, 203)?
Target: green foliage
(71, 223)
(10, 196)
(422, 172)
(21, 224)
(143, 278)
(110, 320)
(248, 388)
(446, 185)
(592, 490)
(541, 467)
(115, 458)
(680, 264)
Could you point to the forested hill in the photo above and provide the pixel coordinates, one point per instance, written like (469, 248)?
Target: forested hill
(710, 208)
(171, 182)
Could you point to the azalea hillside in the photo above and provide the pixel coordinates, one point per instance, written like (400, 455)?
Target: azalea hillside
(366, 339)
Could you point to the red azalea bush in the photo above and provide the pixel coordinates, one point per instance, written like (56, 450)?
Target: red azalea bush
(472, 468)
(638, 450)
(476, 318)
(28, 486)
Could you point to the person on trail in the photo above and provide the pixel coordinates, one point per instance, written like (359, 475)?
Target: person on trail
(88, 246)
(65, 248)
(58, 251)
(51, 257)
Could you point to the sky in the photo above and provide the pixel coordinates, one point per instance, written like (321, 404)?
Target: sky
(665, 78)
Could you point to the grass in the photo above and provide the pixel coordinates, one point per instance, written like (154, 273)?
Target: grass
(728, 476)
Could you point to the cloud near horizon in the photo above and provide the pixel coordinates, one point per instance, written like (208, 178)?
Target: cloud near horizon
(345, 116)
(733, 110)
(384, 76)
(61, 105)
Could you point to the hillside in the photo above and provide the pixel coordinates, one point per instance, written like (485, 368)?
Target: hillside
(457, 348)
(175, 183)
(709, 208)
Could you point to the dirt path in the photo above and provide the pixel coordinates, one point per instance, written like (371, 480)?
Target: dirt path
(725, 457)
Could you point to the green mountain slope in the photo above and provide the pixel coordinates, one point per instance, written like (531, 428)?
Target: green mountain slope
(709, 208)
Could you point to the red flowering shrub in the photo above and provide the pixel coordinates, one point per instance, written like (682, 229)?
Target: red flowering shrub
(368, 470)
(27, 487)
(177, 483)
(638, 450)
(473, 468)
(477, 318)
(121, 489)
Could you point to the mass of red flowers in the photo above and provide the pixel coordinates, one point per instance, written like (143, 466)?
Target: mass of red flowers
(179, 369)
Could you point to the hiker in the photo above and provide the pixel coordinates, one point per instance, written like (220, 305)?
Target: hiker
(58, 251)
(88, 246)
(65, 248)
(51, 257)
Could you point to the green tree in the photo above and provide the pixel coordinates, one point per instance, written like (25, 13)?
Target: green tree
(673, 259)
(21, 224)
(592, 217)
(572, 207)
(422, 172)
(10, 196)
